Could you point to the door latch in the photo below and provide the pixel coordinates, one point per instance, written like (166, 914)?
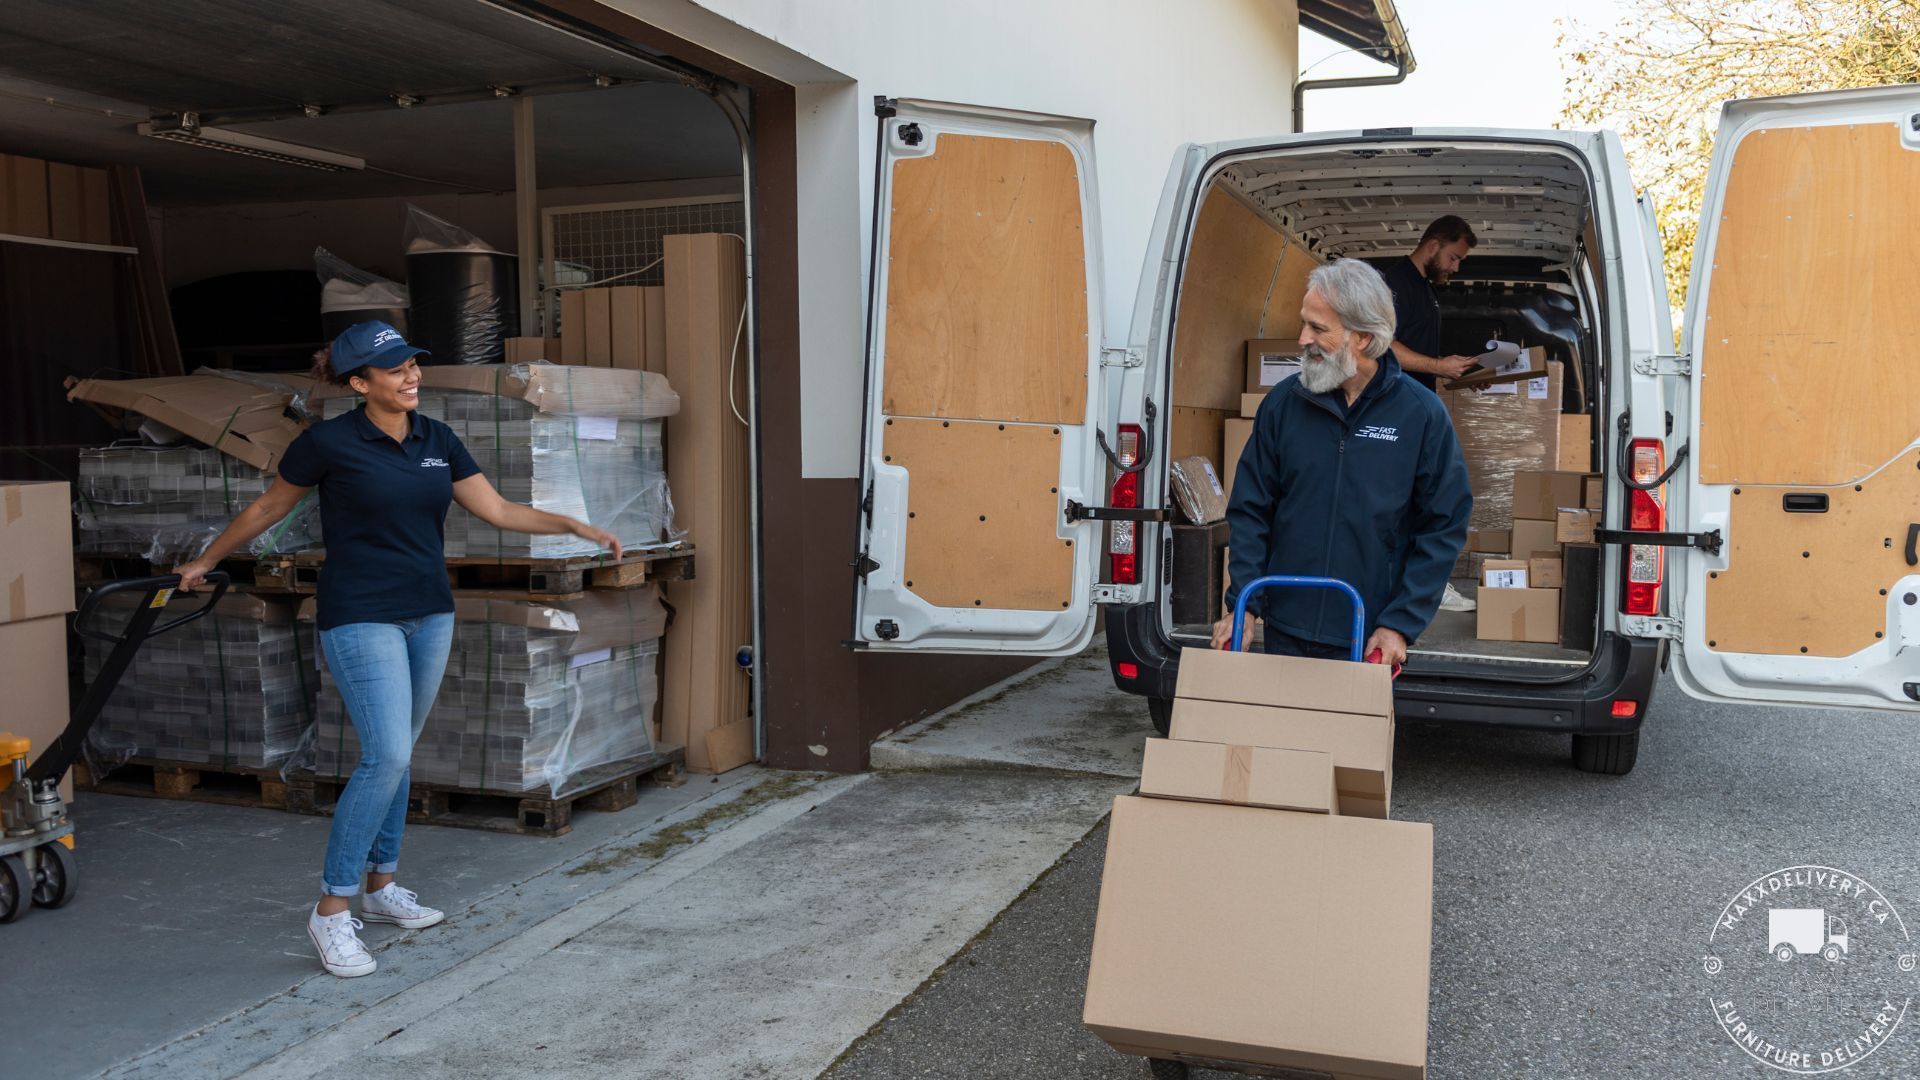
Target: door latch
(1672, 364)
(1709, 541)
(1077, 513)
(1113, 356)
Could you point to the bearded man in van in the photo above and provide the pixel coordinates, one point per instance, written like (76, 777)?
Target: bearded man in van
(1352, 472)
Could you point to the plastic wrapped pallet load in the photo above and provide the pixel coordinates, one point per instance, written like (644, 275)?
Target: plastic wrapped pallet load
(1505, 428)
(536, 695)
(583, 442)
(234, 689)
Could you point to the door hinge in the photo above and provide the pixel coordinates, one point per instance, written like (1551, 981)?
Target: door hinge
(863, 565)
(1675, 364)
(1113, 356)
(1116, 594)
(885, 107)
(1650, 626)
(1709, 541)
(866, 504)
(1078, 513)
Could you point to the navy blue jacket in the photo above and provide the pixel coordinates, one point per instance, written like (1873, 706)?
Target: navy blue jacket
(1375, 495)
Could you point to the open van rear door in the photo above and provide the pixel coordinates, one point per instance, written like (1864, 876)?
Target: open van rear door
(983, 367)
(1805, 414)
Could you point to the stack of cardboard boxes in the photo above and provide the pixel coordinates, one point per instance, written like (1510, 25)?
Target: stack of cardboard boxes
(1543, 585)
(36, 593)
(1258, 910)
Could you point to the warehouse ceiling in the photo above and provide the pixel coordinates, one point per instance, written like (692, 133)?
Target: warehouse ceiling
(75, 79)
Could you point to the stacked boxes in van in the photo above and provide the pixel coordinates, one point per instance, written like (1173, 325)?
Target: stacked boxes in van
(1258, 910)
(1544, 587)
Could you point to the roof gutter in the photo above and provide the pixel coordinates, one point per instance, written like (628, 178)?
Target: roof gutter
(1378, 33)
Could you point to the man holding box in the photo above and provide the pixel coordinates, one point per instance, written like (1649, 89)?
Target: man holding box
(1352, 472)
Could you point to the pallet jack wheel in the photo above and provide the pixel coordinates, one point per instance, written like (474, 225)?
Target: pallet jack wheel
(1167, 1070)
(59, 876)
(16, 889)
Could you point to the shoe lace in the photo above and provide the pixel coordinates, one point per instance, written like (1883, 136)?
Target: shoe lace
(343, 937)
(396, 897)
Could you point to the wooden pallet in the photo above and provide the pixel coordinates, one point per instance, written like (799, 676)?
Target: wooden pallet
(529, 813)
(156, 778)
(267, 575)
(549, 579)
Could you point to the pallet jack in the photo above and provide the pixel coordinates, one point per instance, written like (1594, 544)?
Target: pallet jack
(37, 863)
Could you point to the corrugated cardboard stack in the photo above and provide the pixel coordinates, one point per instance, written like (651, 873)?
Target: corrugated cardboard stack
(235, 688)
(1257, 909)
(535, 695)
(1538, 589)
(36, 593)
(583, 443)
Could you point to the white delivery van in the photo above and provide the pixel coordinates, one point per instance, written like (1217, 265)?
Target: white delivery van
(1760, 517)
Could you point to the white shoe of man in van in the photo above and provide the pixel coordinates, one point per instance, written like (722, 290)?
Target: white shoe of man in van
(1453, 601)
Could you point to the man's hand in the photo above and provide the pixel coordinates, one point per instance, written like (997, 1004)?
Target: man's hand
(1390, 645)
(1453, 367)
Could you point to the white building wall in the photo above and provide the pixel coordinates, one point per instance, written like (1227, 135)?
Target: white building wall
(1151, 74)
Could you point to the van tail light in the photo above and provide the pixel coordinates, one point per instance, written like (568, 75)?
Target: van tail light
(1646, 512)
(1122, 549)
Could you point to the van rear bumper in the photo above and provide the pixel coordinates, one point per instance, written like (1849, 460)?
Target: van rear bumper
(1625, 670)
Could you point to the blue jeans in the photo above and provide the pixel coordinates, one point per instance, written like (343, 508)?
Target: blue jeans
(388, 674)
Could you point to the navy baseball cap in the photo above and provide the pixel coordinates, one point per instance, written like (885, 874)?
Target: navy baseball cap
(371, 344)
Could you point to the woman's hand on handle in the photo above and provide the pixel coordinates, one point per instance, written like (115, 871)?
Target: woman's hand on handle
(598, 536)
(193, 574)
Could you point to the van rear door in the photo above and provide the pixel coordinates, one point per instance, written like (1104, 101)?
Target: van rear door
(1805, 421)
(983, 369)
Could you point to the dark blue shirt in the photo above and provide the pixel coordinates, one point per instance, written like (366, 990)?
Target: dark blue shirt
(1416, 313)
(383, 515)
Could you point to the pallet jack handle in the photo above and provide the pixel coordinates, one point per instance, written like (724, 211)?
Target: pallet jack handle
(1278, 581)
(60, 755)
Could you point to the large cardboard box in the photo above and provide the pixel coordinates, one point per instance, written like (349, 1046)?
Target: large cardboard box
(36, 550)
(1361, 746)
(1286, 682)
(1575, 526)
(1238, 432)
(244, 419)
(1250, 404)
(1532, 538)
(1541, 496)
(1491, 541)
(1506, 428)
(1229, 934)
(1262, 776)
(1270, 361)
(1544, 572)
(33, 668)
(1576, 442)
(1519, 615)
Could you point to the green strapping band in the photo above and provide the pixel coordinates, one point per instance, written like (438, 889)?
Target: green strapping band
(226, 489)
(273, 538)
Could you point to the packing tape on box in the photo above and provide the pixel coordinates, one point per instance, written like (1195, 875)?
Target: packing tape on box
(14, 500)
(1237, 776)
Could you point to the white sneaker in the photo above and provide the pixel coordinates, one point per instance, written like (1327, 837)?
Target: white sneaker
(398, 906)
(341, 951)
(1453, 601)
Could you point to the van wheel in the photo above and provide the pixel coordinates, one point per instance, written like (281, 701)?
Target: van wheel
(1161, 710)
(1608, 755)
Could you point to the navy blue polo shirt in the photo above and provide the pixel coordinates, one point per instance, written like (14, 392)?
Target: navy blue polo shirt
(383, 514)
(1416, 313)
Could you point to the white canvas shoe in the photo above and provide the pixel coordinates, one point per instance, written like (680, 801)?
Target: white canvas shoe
(341, 951)
(398, 906)
(1453, 601)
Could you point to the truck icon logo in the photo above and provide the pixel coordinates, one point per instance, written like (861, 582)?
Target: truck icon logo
(1796, 932)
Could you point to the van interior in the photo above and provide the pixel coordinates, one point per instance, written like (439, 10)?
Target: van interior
(1267, 219)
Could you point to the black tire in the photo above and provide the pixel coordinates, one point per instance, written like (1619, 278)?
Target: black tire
(1608, 755)
(1160, 710)
(16, 889)
(59, 877)
(1163, 1069)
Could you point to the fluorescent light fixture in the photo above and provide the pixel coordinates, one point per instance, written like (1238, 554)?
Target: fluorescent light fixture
(187, 130)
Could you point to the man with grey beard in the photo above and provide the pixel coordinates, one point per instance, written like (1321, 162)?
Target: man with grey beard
(1352, 472)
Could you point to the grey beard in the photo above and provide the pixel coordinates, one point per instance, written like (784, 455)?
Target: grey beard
(1321, 371)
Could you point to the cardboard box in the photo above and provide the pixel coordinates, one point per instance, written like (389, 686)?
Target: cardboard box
(1361, 746)
(1259, 776)
(36, 550)
(1546, 573)
(28, 213)
(1576, 442)
(1264, 938)
(1532, 538)
(1519, 615)
(1540, 496)
(33, 668)
(1287, 682)
(525, 350)
(573, 327)
(1238, 432)
(1270, 361)
(1505, 429)
(1491, 541)
(244, 420)
(1250, 404)
(1575, 526)
(629, 314)
(1531, 364)
(1595, 494)
(1505, 574)
(598, 324)
(1477, 563)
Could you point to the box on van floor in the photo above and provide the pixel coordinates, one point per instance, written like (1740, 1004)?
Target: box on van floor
(1229, 934)
(1519, 615)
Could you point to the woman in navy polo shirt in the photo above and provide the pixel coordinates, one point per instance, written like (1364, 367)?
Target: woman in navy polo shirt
(385, 610)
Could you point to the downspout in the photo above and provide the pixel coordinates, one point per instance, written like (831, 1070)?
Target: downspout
(1400, 70)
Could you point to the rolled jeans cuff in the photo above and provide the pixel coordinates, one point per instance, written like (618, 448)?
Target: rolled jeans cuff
(330, 889)
(383, 868)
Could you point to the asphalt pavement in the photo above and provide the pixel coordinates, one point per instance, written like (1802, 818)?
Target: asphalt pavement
(1576, 916)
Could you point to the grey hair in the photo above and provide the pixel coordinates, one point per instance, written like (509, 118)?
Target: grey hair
(1360, 298)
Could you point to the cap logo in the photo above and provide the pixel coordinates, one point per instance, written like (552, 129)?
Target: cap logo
(385, 336)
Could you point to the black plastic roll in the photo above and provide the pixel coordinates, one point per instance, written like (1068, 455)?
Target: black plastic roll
(465, 305)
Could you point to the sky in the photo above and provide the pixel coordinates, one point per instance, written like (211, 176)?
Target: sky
(1483, 63)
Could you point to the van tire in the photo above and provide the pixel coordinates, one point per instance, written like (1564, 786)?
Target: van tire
(1161, 711)
(1608, 755)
